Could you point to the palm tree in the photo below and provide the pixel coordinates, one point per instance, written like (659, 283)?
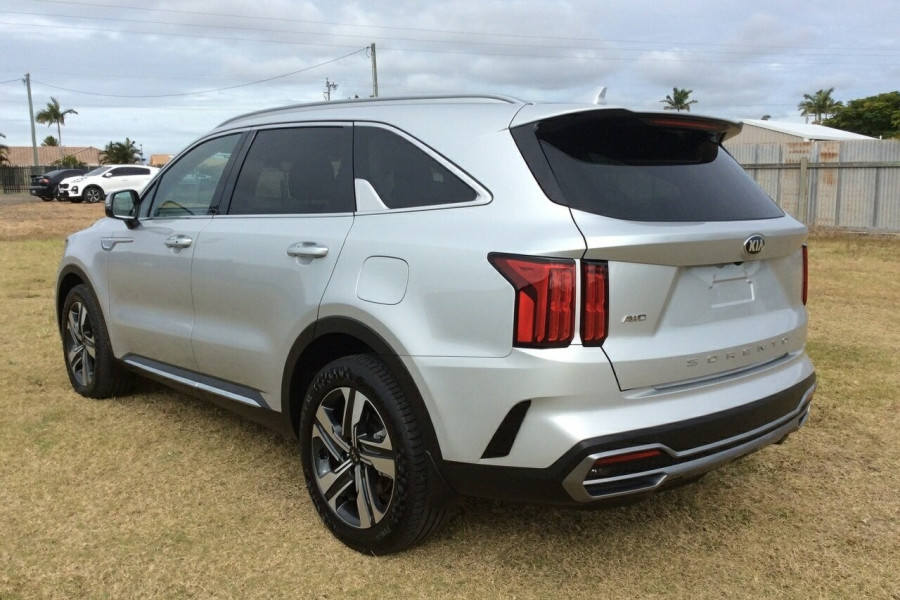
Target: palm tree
(820, 105)
(69, 161)
(679, 100)
(50, 141)
(120, 153)
(55, 114)
(4, 159)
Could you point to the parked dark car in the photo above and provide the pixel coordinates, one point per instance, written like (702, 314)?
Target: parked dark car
(44, 186)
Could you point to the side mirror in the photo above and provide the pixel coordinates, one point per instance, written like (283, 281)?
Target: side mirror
(107, 175)
(123, 205)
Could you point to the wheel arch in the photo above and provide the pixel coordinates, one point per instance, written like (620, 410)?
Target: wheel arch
(336, 337)
(68, 278)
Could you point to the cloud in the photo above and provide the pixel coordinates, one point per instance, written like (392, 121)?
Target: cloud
(756, 58)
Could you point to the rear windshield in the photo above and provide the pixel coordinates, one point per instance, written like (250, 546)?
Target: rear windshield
(627, 167)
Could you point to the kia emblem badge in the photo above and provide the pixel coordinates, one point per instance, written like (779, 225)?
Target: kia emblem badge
(754, 244)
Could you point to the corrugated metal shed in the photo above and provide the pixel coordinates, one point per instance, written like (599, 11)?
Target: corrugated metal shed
(757, 131)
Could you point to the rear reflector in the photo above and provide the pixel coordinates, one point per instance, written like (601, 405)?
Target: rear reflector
(805, 273)
(594, 303)
(620, 458)
(627, 463)
(545, 299)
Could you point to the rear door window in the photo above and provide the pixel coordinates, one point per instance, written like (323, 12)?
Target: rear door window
(298, 170)
(640, 169)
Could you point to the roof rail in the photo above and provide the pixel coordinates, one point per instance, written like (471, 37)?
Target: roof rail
(493, 97)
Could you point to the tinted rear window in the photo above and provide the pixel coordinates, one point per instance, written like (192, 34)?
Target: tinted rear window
(624, 167)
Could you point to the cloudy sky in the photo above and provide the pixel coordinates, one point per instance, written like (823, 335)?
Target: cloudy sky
(163, 72)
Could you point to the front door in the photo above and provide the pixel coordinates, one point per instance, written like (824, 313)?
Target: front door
(149, 268)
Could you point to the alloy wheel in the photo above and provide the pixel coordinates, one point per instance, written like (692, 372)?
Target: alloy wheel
(354, 462)
(81, 347)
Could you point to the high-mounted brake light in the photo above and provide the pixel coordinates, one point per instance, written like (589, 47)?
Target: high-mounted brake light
(594, 302)
(684, 124)
(545, 299)
(805, 273)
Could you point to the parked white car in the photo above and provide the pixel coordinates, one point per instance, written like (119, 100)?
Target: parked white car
(94, 185)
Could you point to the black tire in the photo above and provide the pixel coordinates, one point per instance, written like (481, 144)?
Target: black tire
(92, 194)
(46, 199)
(384, 454)
(93, 369)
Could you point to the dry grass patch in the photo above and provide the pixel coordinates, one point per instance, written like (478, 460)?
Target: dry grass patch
(45, 220)
(157, 495)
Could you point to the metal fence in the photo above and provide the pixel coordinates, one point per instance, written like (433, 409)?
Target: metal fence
(18, 179)
(852, 185)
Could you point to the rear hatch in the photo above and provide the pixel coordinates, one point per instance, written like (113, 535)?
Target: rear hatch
(705, 271)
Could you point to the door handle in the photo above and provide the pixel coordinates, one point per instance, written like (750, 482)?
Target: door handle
(179, 241)
(307, 250)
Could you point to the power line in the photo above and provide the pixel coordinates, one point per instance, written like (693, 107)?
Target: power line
(231, 87)
(435, 51)
(183, 35)
(756, 51)
(491, 34)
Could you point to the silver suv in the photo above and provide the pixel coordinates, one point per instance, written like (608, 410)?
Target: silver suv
(471, 296)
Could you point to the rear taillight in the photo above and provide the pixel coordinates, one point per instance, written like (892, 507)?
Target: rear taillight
(805, 273)
(545, 299)
(594, 302)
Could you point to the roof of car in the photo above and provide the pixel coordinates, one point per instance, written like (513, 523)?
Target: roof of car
(371, 103)
(467, 112)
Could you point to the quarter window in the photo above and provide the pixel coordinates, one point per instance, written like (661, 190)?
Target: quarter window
(403, 175)
(188, 187)
(301, 170)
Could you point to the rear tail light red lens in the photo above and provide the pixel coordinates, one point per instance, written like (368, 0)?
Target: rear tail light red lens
(545, 299)
(594, 303)
(805, 273)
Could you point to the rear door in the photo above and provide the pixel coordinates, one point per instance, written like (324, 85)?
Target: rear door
(261, 269)
(705, 271)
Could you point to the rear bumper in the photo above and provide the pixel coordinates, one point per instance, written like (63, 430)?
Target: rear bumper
(673, 453)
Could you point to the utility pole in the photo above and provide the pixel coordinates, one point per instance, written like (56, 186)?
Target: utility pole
(374, 72)
(34, 155)
(329, 87)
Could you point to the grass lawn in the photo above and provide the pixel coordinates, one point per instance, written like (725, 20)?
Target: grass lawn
(158, 495)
